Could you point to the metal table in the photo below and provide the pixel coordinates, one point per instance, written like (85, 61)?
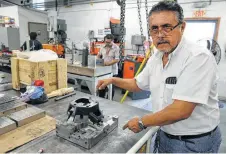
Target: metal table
(91, 75)
(118, 141)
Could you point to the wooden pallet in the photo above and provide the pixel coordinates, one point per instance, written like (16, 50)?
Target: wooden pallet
(52, 72)
(26, 133)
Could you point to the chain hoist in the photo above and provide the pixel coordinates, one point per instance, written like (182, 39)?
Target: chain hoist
(139, 16)
(122, 29)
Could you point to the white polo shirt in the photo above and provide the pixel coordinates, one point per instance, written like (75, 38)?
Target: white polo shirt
(195, 70)
(111, 55)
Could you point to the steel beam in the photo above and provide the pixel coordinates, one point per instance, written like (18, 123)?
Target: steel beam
(27, 115)
(11, 107)
(6, 125)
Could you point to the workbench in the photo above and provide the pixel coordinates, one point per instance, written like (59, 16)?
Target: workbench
(91, 76)
(118, 141)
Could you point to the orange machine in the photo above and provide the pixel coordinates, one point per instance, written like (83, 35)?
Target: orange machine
(130, 68)
(131, 65)
(96, 46)
(58, 48)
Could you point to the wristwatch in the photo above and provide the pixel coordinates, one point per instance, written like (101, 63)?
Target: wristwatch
(141, 125)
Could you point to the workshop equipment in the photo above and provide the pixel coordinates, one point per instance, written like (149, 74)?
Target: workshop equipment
(129, 71)
(91, 76)
(86, 125)
(89, 71)
(65, 96)
(5, 99)
(139, 70)
(10, 107)
(138, 41)
(6, 86)
(6, 125)
(57, 34)
(96, 45)
(10, 40)
(85, 54)
(58, 48)
(27, 115)
(5, 78)
(60, 92)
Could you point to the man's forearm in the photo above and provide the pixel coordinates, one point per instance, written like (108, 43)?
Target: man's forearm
(177, 111)
(127, 84)
(112, 62)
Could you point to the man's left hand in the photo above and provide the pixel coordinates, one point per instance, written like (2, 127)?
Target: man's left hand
(106, 63)
(133, 125)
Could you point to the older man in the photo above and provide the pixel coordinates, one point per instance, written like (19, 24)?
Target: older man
(183, 80)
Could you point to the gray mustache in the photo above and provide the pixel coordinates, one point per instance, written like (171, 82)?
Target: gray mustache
(162, 42)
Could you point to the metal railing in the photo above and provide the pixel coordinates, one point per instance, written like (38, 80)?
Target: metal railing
(145, 139)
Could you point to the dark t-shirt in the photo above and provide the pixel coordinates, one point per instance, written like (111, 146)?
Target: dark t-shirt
(34, 45)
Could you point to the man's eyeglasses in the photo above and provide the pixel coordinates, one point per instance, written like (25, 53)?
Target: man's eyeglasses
(165, 29)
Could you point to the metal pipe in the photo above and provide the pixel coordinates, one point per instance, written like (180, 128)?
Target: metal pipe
(56, 4)
(11, 2)
(73, 53)
(50, 5)
(143, 140)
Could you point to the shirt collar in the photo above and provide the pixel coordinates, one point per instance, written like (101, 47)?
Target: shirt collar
(112, 47)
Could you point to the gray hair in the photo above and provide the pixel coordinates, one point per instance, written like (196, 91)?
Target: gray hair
(169, 6)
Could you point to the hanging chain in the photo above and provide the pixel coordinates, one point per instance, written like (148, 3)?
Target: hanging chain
(139, 16)
(148, 24)
(147, 17)
(122, 28)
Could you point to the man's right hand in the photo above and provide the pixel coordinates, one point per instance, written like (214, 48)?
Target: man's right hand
(104, 83)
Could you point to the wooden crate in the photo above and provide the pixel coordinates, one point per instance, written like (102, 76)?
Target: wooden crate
(53, 73)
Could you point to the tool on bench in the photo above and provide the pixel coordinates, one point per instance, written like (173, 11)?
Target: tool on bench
(85, 125)
(65, 96)
(60, 92)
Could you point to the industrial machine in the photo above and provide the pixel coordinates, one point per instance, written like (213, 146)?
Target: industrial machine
(96, 45)
(86, 124)
(57, 35)
(138, 41)
(131, 65)
(10, 40)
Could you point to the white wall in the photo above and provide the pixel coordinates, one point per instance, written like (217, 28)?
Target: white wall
(25, 16)
(10, 11)
(217, 9)
(82, 18)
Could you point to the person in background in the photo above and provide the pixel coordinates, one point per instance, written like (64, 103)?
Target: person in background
(34, 43)
(182, 77)
(110, 54)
